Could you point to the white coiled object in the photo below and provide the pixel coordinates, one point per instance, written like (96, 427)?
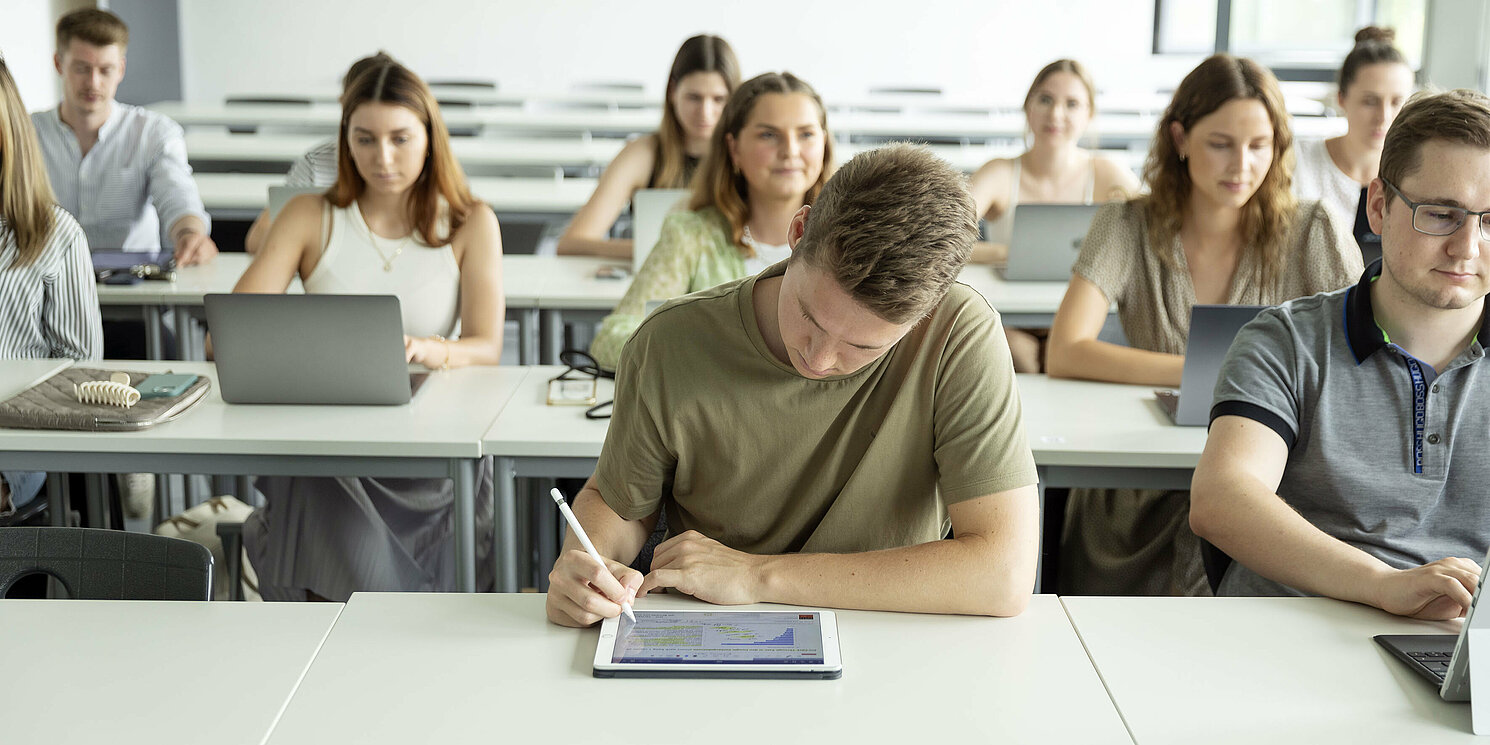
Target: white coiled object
(106, 393)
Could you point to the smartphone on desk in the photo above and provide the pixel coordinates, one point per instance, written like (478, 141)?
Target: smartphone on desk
(573, 392)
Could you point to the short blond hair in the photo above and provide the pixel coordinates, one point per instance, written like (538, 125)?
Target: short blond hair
(893, 227)
(1458, 116)
(93, 26)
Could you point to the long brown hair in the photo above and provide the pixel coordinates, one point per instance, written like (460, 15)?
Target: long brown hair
(701, 53)
(26, 199)
(441, 178)
(719, 185)
(1268, 215)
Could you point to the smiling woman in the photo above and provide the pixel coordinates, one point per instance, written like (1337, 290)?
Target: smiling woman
(1221, 225)
(770, 155)
(399, 221)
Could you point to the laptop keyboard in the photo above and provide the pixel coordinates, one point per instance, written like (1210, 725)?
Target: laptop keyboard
(1436, 663)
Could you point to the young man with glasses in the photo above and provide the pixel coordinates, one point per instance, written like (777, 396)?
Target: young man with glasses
(1346, 454)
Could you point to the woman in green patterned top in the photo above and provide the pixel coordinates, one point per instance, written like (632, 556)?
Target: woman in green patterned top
(770, 155)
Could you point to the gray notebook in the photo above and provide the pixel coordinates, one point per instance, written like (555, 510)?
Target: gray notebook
(53, 404)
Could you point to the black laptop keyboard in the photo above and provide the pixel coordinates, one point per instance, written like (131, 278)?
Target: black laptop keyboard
(1436, 663)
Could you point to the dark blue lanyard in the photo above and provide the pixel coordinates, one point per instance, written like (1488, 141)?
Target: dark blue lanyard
(1419, 410)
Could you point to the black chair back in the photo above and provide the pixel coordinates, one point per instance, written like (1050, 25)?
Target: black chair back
(93, 564)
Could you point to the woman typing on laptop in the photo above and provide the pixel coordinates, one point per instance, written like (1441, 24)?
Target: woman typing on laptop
(1220, 226)
(1058, 108)
(399, 221)
(771, 154)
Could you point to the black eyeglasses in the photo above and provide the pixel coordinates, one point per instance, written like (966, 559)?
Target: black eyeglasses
(580, 363)
(1440, 219)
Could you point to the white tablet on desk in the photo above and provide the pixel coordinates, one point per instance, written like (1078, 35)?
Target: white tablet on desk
(720, 643)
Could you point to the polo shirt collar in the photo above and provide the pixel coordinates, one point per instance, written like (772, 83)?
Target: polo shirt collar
(1361, 332)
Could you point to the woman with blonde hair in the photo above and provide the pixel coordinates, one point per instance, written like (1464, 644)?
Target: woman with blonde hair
(1374, 82)
(1219, 226)
(399, 221)
(46, 276)
(703, 75)
(1058, 108)
(771, 154)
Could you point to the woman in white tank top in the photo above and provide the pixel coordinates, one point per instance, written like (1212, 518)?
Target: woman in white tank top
(1057, 109)
(401, 221)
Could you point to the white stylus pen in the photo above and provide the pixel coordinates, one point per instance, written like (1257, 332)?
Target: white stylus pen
(584, 540)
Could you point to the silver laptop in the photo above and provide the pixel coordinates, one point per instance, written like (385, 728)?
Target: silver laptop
(279, 196)
(1442, 659)
(649, 207)
(1212, 329)
(1046, 240)
(310, 349)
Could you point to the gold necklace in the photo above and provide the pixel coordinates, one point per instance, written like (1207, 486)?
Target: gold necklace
(373, 239)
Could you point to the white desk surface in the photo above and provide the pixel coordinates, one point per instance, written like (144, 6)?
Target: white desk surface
(18, 375)
(1083, 423)
(479, 151)
(1068, 422)
(529, 427)
(1262, 670)
(128, 672)
(973, 126)
(521, 279)
(1013, 297)
(250, 191)
(446, 419)
(480, 668)
(216, 145)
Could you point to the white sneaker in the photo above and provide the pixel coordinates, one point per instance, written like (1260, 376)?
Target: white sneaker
(136, 494)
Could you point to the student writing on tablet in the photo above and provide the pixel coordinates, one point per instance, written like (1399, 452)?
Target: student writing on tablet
(1346, 454)
(317, 167)
(400, 221)
(771, 154)
(49, 300)
(703, 75)
(1219, 226)
(1058, 108)
(811, 431)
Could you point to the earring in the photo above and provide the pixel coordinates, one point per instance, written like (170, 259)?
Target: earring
(1183, 158)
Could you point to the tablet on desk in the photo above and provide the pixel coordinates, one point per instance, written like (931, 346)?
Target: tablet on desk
(720, 644)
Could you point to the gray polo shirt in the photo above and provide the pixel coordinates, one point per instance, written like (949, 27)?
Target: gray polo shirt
(1371, 431)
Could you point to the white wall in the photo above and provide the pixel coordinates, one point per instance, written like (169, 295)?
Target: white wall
(26, 33)
(978, 50)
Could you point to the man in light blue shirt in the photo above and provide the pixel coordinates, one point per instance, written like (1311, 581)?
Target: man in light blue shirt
(120, 170)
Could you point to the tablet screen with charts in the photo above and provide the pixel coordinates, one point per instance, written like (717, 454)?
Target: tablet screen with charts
(720, 644)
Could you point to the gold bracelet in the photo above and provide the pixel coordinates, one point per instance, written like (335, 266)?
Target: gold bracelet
(444, 366)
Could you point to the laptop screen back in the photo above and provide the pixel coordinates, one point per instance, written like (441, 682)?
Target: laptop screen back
(309, 349)
(649, 207)
(1212, 329)
(1046, 240)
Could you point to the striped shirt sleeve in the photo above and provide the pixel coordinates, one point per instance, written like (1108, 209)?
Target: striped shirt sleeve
(70, 322)
(172, 188)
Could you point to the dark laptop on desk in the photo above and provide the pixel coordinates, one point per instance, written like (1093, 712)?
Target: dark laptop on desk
(1442, 659)
(310, 349)
(1046, 240)
(1212, 329)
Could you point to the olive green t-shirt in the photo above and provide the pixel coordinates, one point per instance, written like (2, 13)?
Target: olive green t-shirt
(738, 446)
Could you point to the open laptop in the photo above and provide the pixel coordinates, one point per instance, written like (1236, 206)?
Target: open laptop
(1046, 240)
(310, 349)
(279, 196)
(649, 207)
(1443, 659)
(1212, 329)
